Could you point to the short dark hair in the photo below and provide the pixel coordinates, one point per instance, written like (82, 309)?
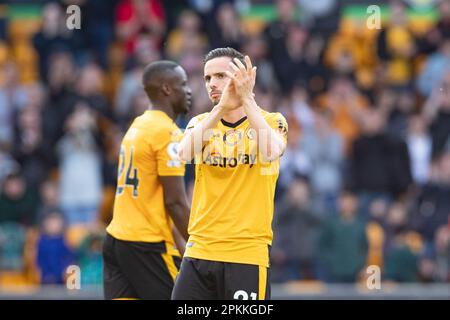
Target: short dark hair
(156, 70)
(224, 52)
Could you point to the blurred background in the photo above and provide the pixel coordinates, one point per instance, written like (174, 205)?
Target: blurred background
(365, 179)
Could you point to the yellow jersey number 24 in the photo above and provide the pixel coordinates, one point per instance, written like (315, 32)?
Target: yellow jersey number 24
(131, 177)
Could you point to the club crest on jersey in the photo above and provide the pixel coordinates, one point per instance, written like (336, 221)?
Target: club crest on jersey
(251, 134)
(232, 137)
(281, 127)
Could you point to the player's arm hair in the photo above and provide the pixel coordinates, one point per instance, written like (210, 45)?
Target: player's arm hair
(176, 203)
(180, 242)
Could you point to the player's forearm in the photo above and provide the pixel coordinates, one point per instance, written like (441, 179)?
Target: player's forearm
(193, 142)
(179, 240)
(179, 212)
(271, 146)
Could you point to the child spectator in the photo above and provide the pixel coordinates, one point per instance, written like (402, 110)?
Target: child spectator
(53, 255)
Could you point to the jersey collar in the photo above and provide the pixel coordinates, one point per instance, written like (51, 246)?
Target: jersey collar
(235, 124)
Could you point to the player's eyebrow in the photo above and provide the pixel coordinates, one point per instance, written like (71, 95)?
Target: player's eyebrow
(208, 76)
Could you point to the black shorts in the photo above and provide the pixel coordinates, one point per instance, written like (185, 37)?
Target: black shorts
(213, 280)
(137, 270)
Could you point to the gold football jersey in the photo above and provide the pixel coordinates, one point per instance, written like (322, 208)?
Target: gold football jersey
(148, 150)
(233, 199)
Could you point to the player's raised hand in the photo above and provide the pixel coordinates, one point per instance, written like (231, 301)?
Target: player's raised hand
(243, 77)
(229, 99)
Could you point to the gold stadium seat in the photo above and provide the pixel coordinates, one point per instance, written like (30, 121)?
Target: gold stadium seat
(26, 59)
(23, 29)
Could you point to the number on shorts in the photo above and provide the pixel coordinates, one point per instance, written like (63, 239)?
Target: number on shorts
(243, 295)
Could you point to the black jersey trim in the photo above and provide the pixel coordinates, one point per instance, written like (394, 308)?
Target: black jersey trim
(233, 125)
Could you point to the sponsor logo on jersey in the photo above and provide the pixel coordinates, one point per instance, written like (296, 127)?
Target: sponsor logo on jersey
(217, 160)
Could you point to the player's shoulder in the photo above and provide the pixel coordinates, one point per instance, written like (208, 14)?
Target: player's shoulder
(155, 127)
(158, 118)
(154, 121)
(274, 116)
(196, 119)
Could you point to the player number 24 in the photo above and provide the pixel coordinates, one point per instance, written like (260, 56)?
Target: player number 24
(131, 177)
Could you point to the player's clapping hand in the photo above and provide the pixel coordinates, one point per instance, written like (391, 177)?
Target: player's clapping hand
(243, 77)
(229, 99)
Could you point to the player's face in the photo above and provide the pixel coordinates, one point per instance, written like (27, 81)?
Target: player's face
(215, 77)
(182, 95)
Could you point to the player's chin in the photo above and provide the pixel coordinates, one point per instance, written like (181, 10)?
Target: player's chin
(187, 105)
(215, 100)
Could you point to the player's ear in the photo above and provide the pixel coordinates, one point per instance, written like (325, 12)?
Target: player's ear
(165, 88)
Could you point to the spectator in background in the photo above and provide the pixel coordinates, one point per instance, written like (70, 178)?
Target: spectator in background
(30, 149)
(8, 165)
(277, 30)
(400, 262)
(89, 90)
(294, 162)
(61, 78)
(380, 165)
(434, 37)
(325, 149)
(257, 48)
(442, 253)
(301, 108)
(54, 36)
(12, 99)
(18, 201)
(436, 67)
(437, 113)
(137, 17)
(343, 243)
(97, 26)
(53, 254)
(296, 232)
(138, 105)
(131, 81)
(432, 205)
(3, 25)
(80, 168)
(228, 29)
(188, 34)
(49, 199)
(443, 24)
(419, 147)
(88, 93)
(346, 104)
(396, 46)
(291, 65)
(192, 63)
(396, 219)
(398, 113)
(320, 14)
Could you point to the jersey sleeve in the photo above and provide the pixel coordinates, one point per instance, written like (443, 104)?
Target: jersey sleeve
(278, 122)
(195, 121)
(165, 145)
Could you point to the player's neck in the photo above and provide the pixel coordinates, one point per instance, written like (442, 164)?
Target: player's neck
(172, 115)
(234, 115)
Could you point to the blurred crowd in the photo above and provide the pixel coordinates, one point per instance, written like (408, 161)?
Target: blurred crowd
(365, 179)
